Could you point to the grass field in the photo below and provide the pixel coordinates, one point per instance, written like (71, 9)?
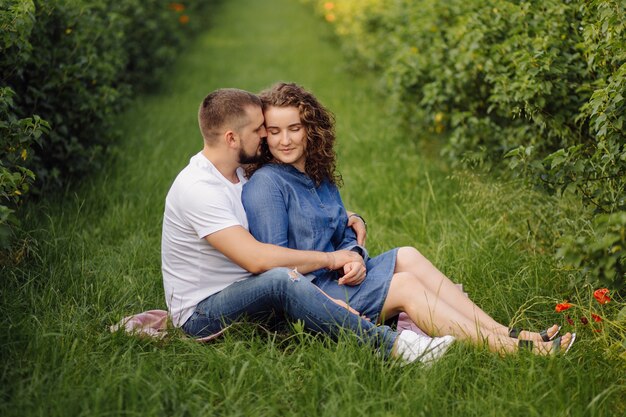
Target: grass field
(96, 259)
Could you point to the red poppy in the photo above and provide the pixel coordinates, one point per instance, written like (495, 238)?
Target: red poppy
(183, 19)
(602, 295)
(596, 318)
(562, 307)
(584, 320)
(569, 320)
(177, 7)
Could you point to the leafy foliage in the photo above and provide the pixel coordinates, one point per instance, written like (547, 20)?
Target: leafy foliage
(600, 250)
(18, 136)
(537, 86)
(68, 66)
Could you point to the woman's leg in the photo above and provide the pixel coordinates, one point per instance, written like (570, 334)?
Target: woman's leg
(411, 260)
(434, 314)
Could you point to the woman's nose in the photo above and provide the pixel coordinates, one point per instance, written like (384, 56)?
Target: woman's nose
(284, 138)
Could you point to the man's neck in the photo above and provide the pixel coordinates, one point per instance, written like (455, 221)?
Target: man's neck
(223, 163)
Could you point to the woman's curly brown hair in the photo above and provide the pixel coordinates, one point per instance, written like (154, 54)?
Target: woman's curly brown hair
(319, 124)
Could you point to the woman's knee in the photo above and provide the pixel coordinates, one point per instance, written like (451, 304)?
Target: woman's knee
(405, 280)
(409, 259)
(403, 286)
(401, 292)
(410, 252)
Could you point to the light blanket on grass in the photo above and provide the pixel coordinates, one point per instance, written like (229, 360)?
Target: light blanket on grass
(152, 324)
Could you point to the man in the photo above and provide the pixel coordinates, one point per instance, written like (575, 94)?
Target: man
(215, 272)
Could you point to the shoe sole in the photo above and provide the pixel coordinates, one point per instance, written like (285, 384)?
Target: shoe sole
(571, 342)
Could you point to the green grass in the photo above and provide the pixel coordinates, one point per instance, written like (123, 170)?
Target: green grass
(97, 259)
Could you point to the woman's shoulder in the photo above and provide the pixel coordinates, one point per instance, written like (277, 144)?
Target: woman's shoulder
(268, 171)
(282, 176)
(267, 175)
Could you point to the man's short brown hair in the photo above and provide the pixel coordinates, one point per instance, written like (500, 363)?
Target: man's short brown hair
(221, 107)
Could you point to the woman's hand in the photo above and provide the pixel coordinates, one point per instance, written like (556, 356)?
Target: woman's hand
(357, 224)
(354, 273)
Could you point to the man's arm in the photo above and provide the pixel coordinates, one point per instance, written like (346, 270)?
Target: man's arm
(238, 245)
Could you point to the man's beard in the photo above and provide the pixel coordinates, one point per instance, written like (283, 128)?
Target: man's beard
(245, 159)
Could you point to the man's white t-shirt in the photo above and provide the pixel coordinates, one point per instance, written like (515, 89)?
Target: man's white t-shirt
(200, 202)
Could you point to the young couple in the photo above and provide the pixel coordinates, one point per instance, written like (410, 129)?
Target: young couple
(275, 240)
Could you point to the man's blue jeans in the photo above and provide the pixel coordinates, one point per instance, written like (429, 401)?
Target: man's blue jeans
(281, 291)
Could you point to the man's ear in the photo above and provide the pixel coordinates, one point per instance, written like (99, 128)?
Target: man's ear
(231, 139)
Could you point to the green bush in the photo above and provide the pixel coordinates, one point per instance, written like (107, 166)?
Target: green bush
(18, 137)
(70, 65)
(536, 86)
(599, 250)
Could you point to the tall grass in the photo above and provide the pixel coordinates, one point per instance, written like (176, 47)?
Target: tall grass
(97, 259)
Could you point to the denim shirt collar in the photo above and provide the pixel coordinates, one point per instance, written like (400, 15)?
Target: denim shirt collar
(294, 173)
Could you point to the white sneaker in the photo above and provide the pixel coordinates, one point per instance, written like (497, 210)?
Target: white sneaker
(412, 347)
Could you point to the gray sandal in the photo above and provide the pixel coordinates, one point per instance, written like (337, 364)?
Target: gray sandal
(556, 345)
(514, 333)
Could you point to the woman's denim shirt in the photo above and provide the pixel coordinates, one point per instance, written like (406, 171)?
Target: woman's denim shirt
(285, 208)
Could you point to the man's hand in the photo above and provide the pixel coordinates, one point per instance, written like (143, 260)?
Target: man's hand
(354, 274)
(358, 225)
(339, 258)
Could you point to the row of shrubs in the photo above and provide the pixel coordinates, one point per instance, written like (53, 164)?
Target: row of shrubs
(536, 86)
(67, 67)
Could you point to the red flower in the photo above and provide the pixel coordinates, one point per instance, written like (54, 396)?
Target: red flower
(183, 19)
(584, 320)
(602, 295)
(596, 318)
(177, 7)
(562, 307)
(569, 320)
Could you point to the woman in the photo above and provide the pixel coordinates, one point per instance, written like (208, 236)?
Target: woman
(292, 200)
